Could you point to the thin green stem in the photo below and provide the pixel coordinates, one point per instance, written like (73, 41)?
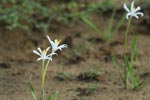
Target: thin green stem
(44, 73)
(125, 57)
(43, 94)
(126, 35)
(44, 69)
(43, 91)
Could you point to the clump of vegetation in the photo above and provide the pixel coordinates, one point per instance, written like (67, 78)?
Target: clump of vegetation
(24, 14)
(31, 15)
(62, 76)
(90, 89)
(91, 75)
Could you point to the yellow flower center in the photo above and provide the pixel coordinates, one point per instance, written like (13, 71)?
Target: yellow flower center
(44, 51)
(57, 41)
(134, 8)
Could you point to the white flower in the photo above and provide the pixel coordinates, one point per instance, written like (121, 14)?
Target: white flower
(55, 45)
(43, 54)
(133, 11)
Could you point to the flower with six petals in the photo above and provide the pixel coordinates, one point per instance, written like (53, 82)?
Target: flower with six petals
(55, 45)
(43, 54)
(133, 11)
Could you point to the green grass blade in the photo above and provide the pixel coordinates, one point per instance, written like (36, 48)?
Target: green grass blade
(88, 22)
(134, 56)
(133, 49)
(32, 90)
(132, 76)
(114, 60)
(111, 20)
(120, 23)
(108, 30)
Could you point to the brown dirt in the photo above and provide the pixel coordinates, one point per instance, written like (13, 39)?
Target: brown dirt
(86, 50)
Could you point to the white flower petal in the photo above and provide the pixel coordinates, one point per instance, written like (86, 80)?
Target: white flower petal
(39, 50)
(34, 51)
(48, 38)
(126, 8)
(137, 9)
(53, 53)
(132, 5)
(140, 13)
(127, 16)
(53, 44)
(47, 49)
(39, 59)
(136, 16)
(62, 46)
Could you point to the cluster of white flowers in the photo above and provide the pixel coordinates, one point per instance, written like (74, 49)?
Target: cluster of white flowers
(133, 12)
(54, 45)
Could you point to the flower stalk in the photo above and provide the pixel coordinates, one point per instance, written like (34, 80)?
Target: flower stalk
(126, 35)
(43, 68)
(125, 51)
(47, 57)
(129, 76)
(128, 66)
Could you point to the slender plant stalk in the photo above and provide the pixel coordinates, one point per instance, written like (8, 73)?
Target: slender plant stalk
(44, 69)
(125, 56)
(126, 35)
(43, 91)
(44, 73)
